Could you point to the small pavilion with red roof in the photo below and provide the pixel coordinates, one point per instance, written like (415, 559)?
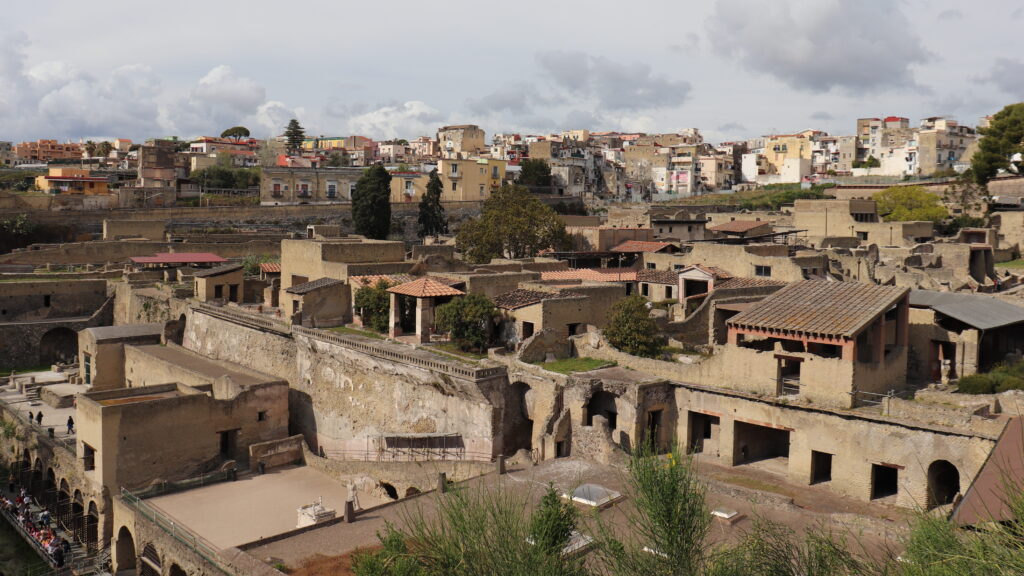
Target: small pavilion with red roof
(428, 292)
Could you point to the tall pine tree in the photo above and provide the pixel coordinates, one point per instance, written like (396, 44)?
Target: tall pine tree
(371, 203)
(295, 134)
(432, 219)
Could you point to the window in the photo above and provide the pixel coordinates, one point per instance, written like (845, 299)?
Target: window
(481, 190)
(668, 292)
(261, 416)
(455, 170)
(332, 189)
(644, 289)
(276, 193)
(677, 266)
(46, 301)
(88, 457)
(650, 265)
(408, 186)
(455, 186)
(494, 172)
(218, 291)
(862, 236)
(765, 271)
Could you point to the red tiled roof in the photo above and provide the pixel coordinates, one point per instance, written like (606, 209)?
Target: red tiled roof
(731, 282)
(739, 226)
(668, 277)
(641, 246)
(593, 274)
(179, 258)
(425, 287)
(986, 500)
(520, 298)
(714, 271)
(270, 267)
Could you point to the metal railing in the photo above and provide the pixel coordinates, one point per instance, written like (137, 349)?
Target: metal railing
(164, 487)
(789, 385)
(408, 455)
(258, 321)
(862, 398)
(190, 539)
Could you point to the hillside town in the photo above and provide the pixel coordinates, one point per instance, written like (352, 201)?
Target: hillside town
(695, 289)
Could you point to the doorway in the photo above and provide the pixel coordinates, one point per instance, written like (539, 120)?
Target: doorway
(228, 444)
(821, 467)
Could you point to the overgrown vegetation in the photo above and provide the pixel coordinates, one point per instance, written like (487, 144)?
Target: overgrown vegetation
(570, 365)
(534, 173)
(356, 332)
(1001, 378)
(468, 320)
(631, 328)
(910, 204)
(224, 175)
(374, 305)
(251, 263)
(774, 196)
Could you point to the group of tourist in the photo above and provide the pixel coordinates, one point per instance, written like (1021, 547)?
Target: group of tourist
(37, 526)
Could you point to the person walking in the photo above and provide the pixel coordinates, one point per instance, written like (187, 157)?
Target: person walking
(39, 418)
(71, 425)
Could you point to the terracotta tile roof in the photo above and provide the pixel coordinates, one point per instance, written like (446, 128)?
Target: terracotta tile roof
(715, 271)
(519, 298)
(732, 282)
(986, 500)
(217, 271)
(593, 274)
(314, 285)
(373, 279)
(270, 267)
(739, 226)
(670, 277)
(641, 246)
(838, 309)
(425, 287)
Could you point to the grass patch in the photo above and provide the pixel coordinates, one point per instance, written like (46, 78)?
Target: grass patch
(570, 365)
(452, 348)
(1018, 263)
(7, 371)
(356, 332)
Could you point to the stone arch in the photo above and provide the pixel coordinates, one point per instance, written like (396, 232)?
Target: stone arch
(64, 504)
(35, 486)
(175, 330)
(92, 525)
(77, 514)
(943, 483)
(390, 490)
(518, 418)
(50, 490)
(58, 345)
(150, 561)
(25, 468)
(124, 550)
(411, 491)
(176, 571)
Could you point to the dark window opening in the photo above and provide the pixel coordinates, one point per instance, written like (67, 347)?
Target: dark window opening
(228, 444)
(261, 416)
(527, 330)
(46, 301)
(389, 490)
(602, 404)
(884, 481)
(88, 457)
(821, 467)
(765, 271)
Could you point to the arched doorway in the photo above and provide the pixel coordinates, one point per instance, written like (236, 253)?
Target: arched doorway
(943, 483)
(124, 550)
(50, 492)
(35, 487)
(602, 403)
(64, 506)
(519, 420)
(78, 517)
(175, 330)
(25, 469)
(150, 561)
(92, 524)
(58, 345)
(176, 571)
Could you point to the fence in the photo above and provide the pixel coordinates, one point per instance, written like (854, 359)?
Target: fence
(164, 487)
(258, 321)
(190, 539)
(862, 398)
(408, 455)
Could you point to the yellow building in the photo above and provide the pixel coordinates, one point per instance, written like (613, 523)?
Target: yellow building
(778, 149)
(72, 181)
(461, 180)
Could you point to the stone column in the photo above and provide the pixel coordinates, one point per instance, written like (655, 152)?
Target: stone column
(424, 318)
(394, 325)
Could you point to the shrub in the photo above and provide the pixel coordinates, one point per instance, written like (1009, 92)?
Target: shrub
(467, 318)
(374, 305)
(976, 384)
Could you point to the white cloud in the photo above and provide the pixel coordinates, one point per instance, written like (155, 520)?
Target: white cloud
(613, 85)
(819, 46)
(397, 120)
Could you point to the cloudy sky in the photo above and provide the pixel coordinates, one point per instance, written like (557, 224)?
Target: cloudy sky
(733, 68)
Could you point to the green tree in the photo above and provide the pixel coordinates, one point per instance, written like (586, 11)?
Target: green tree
(534, 172)
(251, 263)
(236, 133)
(910, 203)
(374, 305)
(338, 159)
(371, 203)
(871, 162)
(631, 328)
(468, 320)
(512, 224)
(220, 176)
(552, 523)
(294, 133)
(103, 149)
(432, 220)
(90, 148)
(1003, 138)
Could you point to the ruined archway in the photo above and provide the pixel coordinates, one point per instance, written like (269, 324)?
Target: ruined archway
(124, 550)
(78, 517)
(176, 571)
(518, 419)
(390, 490)
(92, 525)
(64, 505)
(943, 483)
(50, 491)
(602, 403)
(150, 561)
(58, 345)
(36, 488)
